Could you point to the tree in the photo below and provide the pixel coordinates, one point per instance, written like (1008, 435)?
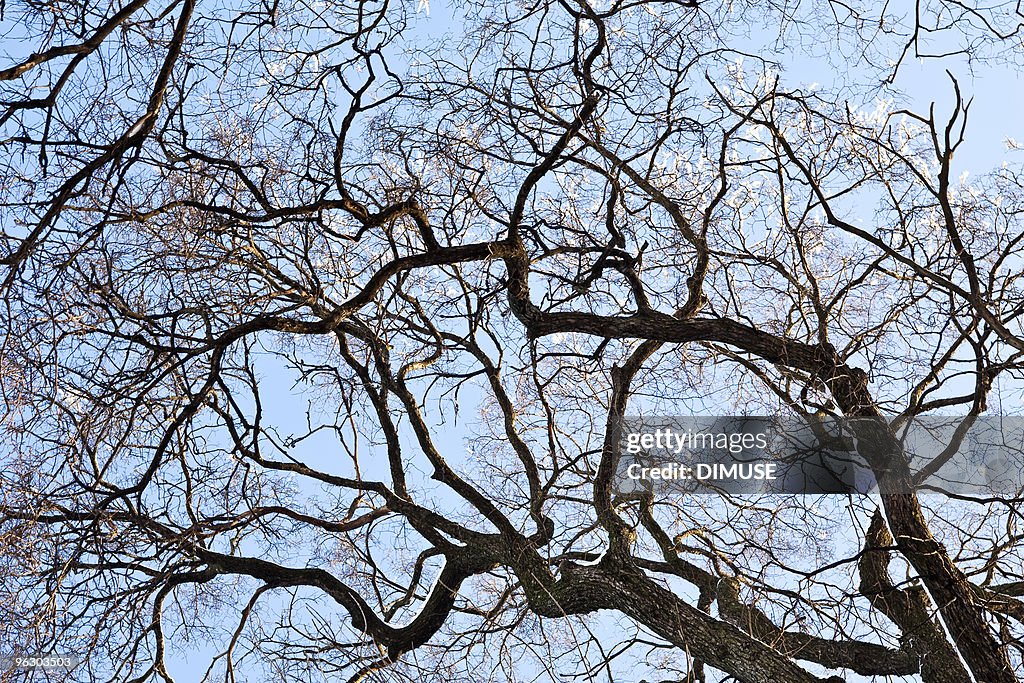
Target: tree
(471, 256)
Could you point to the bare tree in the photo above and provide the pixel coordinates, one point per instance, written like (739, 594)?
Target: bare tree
(469, 257)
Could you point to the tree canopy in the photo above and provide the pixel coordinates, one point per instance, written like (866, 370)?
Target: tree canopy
(319, 318)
